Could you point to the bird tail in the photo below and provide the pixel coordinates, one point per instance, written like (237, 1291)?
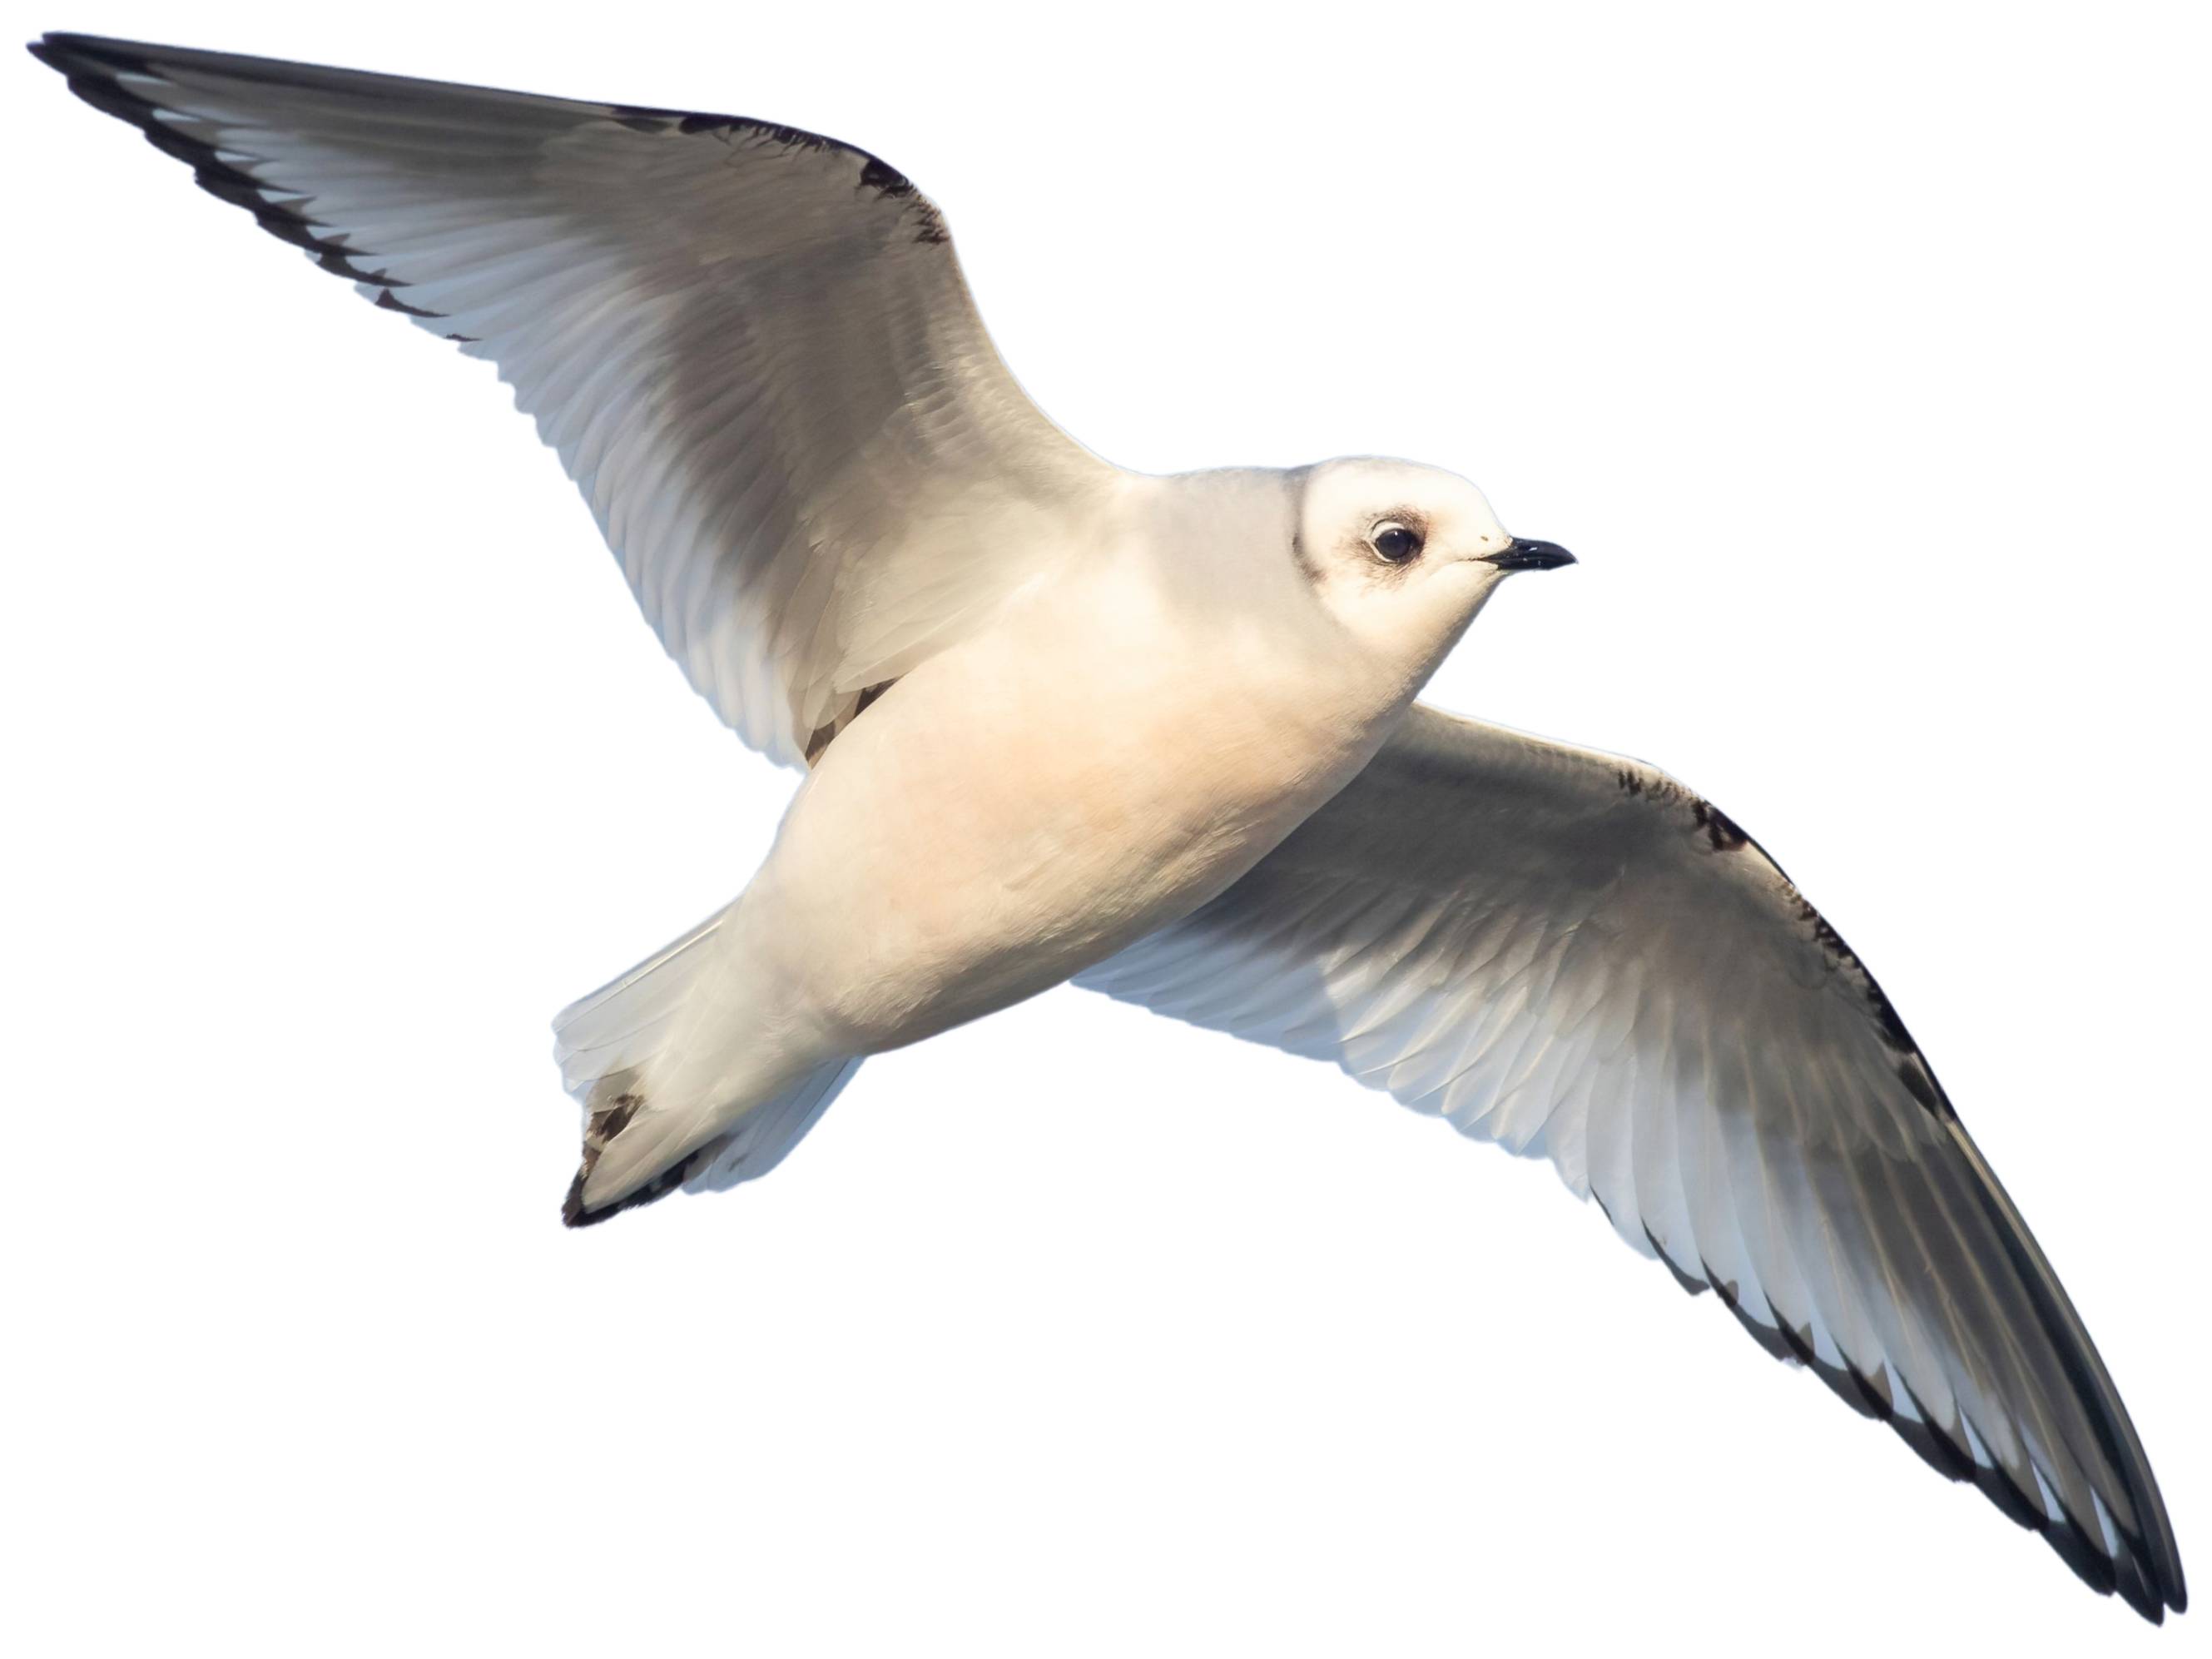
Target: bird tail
(664, 1106)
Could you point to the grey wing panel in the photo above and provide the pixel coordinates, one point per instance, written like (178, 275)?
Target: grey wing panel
(751, 347)
(1574, 956)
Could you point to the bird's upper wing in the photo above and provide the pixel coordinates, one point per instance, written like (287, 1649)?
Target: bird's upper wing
(1570, 954)
(753, 348)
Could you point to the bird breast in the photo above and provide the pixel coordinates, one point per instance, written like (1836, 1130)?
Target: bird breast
(1102, 762)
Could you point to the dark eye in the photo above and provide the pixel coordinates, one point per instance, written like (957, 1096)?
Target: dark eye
(1395, 544)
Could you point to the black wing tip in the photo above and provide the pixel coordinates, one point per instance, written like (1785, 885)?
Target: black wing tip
(92, 62)
(77, 54)
(92, 66)
(55, 43)
(2149, 1583)
(2155, 1585)
(2139, 1587)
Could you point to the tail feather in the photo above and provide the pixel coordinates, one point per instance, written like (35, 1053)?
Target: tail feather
(617, 1026)
(600, 1127)
(657, 1117)
(767, 1132)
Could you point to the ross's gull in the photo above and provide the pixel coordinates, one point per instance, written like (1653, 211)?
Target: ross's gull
(1157, 734)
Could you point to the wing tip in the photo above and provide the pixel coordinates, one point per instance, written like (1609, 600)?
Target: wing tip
(93, 66)
(2145, 1576)
(73, 54)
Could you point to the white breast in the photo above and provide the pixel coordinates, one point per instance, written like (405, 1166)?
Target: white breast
(1103, 760)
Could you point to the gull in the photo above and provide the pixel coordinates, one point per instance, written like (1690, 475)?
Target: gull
(1158, 736)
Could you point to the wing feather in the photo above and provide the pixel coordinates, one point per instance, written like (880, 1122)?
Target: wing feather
(1573, 956)
(751, 347)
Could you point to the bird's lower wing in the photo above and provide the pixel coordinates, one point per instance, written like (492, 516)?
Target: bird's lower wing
(1571, 955)
(751, 347)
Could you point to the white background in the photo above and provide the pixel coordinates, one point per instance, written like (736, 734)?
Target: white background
(1862, 354)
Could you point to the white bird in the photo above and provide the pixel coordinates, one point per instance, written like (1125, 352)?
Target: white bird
(1156, 734)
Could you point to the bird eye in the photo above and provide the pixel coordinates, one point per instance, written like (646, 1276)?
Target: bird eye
(1394, 544)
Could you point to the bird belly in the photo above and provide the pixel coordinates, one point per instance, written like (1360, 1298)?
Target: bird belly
(1027, 803)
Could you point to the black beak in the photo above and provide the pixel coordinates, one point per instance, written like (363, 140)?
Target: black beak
(1530, 555)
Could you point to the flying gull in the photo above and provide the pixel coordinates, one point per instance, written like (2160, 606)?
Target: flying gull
(1156, 735)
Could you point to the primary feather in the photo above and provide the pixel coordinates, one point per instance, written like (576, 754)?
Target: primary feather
(751, 347)
(1572, 954)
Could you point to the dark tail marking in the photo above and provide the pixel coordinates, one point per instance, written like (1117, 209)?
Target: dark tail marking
(604, 1126)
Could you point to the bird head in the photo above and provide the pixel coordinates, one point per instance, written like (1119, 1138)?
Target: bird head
(1404, 555)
